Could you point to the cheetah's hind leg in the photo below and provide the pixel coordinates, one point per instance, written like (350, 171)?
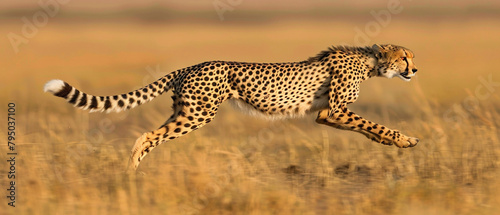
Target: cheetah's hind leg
(175, 127)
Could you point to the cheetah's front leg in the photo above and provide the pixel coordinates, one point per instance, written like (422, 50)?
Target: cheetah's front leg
(348, 120)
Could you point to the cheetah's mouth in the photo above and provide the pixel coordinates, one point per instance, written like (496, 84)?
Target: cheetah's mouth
(404, 76)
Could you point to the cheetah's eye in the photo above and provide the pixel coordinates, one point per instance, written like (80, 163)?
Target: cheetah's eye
(403, 58)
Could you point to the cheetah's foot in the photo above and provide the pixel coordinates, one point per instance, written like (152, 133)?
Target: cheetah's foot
(136, 156)
(403, 141)
(398, 139)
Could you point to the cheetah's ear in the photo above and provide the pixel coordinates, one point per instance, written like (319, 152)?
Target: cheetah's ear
(378, 49)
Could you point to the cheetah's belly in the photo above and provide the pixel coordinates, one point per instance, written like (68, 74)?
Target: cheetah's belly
(283, 109)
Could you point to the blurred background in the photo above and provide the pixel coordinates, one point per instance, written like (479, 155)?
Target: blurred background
(72, 162)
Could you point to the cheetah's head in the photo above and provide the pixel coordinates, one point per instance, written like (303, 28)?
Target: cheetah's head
(394, 61)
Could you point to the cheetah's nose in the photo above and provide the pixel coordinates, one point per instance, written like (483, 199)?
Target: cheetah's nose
(414, 70)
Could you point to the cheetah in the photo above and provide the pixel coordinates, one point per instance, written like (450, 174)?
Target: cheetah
(326, 83)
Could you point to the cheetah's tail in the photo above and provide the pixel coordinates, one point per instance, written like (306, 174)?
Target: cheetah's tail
(115, 103)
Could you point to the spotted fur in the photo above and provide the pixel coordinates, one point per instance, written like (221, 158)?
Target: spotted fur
(324, 83)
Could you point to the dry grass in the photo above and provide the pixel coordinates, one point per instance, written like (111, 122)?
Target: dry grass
(72, 162)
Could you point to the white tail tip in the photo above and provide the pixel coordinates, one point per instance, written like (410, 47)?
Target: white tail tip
(53, 86)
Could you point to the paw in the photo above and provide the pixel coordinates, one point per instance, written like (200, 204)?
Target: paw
(137, 153)
(404, 141)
